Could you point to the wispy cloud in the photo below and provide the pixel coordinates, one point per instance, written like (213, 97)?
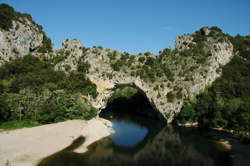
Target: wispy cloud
(167, 28)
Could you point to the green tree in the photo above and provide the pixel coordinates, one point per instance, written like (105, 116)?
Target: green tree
(4, 109)
(6, 16)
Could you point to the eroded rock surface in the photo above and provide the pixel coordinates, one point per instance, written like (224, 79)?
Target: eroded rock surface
(167, 80)
(190, 77)
(23, 38)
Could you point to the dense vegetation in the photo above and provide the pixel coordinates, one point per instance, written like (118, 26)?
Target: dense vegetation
(125, 92)
(227, 102)
(30, 89)
(147, 67)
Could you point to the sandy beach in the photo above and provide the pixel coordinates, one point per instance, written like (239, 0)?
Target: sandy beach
(26, 147)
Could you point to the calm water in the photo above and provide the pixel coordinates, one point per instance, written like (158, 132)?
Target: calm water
(140, 141)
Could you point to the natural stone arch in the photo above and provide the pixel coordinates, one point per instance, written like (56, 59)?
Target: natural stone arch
(106, 89)
(189, 76)
(153, 113)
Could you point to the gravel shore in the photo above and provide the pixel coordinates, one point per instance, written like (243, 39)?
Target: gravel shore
(26, 147)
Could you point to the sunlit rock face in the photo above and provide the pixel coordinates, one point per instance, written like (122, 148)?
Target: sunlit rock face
(167, 79)
(190, 77)
(23, 38)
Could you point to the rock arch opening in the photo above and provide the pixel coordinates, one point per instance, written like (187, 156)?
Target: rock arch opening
(130, 99)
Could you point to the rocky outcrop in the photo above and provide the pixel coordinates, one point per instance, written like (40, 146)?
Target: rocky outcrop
(190, 77)
(167, 79)
(23, 38)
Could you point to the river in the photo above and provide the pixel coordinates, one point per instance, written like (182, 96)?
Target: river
(142, 141)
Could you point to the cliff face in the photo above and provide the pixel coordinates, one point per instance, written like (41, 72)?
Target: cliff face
(23, 38)
(191, 74)
(167, 79)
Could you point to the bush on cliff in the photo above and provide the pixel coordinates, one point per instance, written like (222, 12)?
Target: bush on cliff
(6, 16)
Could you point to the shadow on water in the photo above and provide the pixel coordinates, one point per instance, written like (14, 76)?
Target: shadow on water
(169, 145)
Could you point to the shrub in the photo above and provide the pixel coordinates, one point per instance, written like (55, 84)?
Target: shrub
(46, 46)
(187, 114)
(141, 59)
(4, 109)
(170, 97)
(83, 67)
(50, 113)
(7, 14)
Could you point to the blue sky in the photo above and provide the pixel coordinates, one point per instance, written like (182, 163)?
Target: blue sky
(133, 25)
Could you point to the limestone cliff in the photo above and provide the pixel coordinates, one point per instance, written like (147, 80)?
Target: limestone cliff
(167, 79)
(191, 72)
(23, 38)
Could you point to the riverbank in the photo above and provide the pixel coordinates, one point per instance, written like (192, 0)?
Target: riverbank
(239, 152)
(26, 147)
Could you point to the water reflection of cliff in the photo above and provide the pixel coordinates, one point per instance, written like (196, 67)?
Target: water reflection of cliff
(169, 146)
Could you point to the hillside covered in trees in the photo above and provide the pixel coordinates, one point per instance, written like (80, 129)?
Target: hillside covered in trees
(48, 85)
(226, 103)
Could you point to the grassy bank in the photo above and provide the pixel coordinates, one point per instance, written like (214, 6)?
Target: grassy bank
(18, 124)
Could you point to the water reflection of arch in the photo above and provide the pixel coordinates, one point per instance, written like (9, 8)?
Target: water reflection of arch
(167, 147)
(153, 128)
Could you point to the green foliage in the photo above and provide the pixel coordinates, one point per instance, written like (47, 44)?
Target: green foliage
(150, 61)
(33, 90)
(227, 102)
(77, 82)
(55, 59)
(215, 32)
(187, 114)
(142, 59)
(62, 106)
(17, 124)
(4, 109)
(46, 46)
(244, 137)
(83, 67)
(112, 55)
(126, 92)
(200, 50)
(30, 72)
(154, 68)
(170, 97)
(47, 106)
(150, 68)
(7, 14)
(2, 87)
(123, 62)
